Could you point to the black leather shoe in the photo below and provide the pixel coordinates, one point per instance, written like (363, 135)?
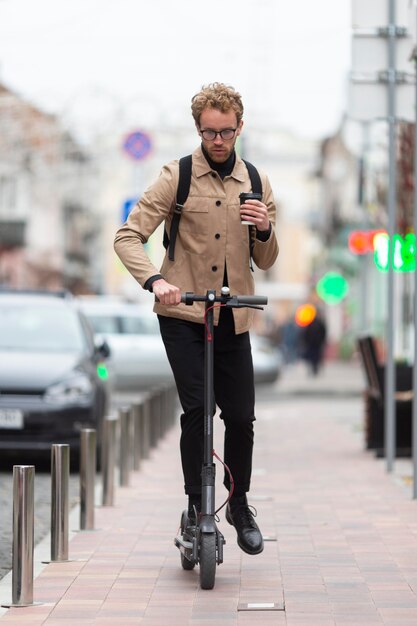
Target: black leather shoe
(249, 537)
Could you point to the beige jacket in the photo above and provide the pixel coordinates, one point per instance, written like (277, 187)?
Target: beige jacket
(210, 235)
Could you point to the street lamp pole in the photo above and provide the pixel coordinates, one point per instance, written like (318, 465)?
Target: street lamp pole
(389, 415)
(414, 414)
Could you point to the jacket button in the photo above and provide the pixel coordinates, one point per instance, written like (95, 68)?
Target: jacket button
(217, 235)
(218, 202)
(214, 268)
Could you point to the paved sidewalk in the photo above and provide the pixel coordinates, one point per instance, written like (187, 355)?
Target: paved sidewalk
(345, 548)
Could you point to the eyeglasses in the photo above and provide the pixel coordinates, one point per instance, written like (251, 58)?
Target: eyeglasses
(210, 135)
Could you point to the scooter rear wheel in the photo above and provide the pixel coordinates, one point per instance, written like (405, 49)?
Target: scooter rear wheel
(185, 563)
(207, 560)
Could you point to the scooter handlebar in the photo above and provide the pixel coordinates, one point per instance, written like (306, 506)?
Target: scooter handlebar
(232, 301)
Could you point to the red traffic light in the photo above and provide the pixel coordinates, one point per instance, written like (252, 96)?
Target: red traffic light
(362, 241)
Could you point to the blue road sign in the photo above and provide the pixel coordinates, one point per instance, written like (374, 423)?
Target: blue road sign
(127, 206)
(137, 145)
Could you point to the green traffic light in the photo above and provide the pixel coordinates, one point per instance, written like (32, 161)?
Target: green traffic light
(408, 251)
(404, 255)
(332, 288)
(381, 251)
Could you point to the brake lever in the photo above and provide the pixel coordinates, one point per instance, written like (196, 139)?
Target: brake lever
(243, 306)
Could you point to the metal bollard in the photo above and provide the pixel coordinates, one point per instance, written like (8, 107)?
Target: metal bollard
(174, 402)
(137, 413)
(108, 459)
(158, 415)
(155, 417)
(125, 445)
(60, 464)
(163, 410)
(152, 437)
(23, 534)
(166, 408)
(145, 427)
(87, 477)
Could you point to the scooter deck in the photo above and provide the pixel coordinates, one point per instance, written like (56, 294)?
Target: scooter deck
(183, 544)
(187, 549)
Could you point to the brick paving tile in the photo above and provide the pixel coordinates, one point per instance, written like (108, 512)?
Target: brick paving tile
(79, 621)
(301, 619)
(355, 619)
(14, 618)
(121, 621)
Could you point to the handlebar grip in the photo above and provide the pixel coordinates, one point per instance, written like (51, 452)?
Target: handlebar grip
(189, 298)
(252, 300)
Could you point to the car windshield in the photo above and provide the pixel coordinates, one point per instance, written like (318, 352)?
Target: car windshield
(39, 328)
(103, 323)
(140, 325)
(125, 324)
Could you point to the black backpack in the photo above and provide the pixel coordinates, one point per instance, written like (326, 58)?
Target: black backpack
(182, 195)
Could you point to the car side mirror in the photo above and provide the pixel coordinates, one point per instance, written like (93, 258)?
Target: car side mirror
(102, 348)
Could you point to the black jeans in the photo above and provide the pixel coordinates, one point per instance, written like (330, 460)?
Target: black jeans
(233, 390)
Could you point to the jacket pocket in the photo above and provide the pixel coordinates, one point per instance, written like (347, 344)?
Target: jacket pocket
(194, 225)
(195, 215)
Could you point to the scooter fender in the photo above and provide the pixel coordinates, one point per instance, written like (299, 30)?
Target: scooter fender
(207, 524)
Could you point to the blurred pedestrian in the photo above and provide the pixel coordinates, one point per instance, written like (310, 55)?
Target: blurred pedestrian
(290, 339)
(312, 340)
(213, 249)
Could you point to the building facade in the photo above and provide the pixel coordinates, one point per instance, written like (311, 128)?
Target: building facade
(46, 223)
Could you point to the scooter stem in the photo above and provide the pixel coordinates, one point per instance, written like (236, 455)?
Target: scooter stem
(209, 469)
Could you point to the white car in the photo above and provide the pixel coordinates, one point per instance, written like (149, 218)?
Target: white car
(267, 359)
(138, 359)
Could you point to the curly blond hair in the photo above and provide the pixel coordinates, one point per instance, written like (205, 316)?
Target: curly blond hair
(218, 96)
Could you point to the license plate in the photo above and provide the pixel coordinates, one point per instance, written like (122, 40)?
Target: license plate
(11, 418)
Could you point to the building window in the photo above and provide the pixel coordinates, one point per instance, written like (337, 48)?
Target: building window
(7, 195)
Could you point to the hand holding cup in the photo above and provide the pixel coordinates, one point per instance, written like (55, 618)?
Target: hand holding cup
(248, 195)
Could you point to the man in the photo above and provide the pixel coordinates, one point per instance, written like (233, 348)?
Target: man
(313, 342)
(212, 250)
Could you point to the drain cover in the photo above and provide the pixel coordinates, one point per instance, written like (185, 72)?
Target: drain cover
(261, 606)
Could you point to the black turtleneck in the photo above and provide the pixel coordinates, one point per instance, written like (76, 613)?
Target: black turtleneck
(223, 169)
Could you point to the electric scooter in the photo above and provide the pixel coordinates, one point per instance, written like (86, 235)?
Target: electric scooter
(202, 542)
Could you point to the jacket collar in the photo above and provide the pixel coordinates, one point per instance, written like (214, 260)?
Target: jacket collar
(201, 167)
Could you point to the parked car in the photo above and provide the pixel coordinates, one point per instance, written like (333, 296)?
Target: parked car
(52, 373)
(267, 359)
(138, 358)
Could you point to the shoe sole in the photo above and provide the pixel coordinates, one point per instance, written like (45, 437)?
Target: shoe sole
(252, 553)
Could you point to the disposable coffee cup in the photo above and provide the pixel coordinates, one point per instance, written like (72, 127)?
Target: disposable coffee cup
(248, 195)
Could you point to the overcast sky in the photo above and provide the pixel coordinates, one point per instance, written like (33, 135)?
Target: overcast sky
(97, 58)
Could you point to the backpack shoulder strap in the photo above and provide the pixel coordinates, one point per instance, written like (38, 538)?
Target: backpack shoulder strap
(184, 179)
(183, 189)
(256, 184)
(255, 179)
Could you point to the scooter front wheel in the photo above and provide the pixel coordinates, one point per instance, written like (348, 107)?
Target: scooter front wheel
(207, 560)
